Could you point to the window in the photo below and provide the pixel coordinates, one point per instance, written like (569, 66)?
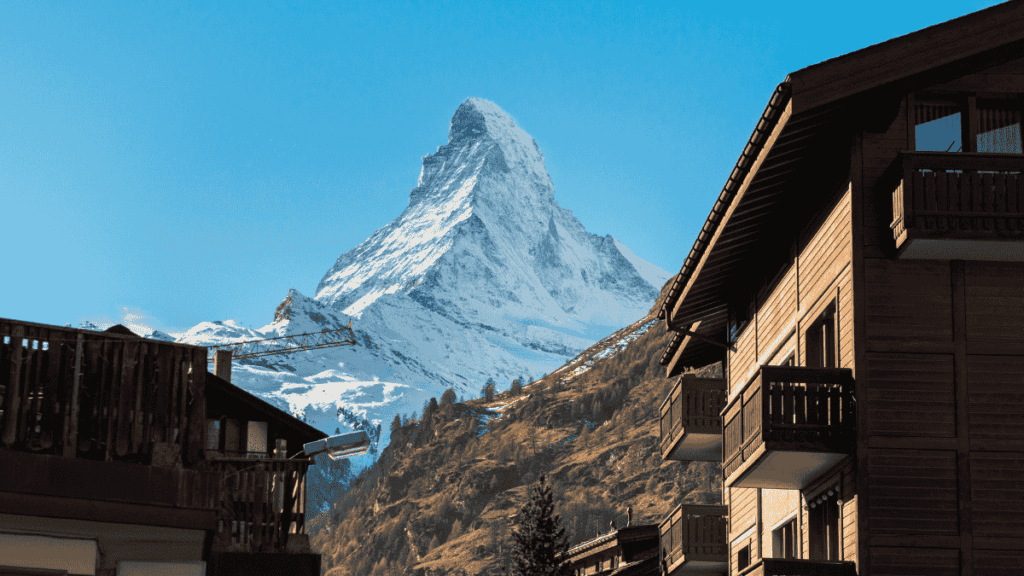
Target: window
(998, 127)
(256, 438)
(821, 340)
(938, 126)
(941, 125)
(823, 526)
(212, 434)
(743, 557)
(784, 540)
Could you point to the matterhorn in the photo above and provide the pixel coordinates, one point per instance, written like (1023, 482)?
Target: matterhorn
(482, 276)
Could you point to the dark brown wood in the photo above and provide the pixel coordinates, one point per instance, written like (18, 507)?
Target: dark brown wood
(73, 410)
(126, 400)
(197, 410)
(963, 446)
(13, 394)
(164, 394)
(114, 376)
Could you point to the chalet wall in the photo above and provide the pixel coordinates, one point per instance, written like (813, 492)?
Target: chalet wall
(941, 405)
(777, 507)
(819, 275)
(910, 395)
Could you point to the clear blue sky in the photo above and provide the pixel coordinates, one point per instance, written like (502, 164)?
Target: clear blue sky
(190, 161)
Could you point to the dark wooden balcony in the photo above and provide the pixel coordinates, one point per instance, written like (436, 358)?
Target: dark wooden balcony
(262, 503)
(957, 205)
(780, 567)
(100, 395)
(693, 539)
(787, 426)
(691, 420)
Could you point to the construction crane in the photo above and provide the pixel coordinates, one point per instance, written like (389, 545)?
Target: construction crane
(284, 344)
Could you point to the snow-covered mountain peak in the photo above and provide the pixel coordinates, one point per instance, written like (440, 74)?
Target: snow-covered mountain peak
(483, 275)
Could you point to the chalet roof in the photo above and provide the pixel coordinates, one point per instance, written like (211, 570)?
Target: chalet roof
(612, 539)
(223, 393)
(802, 136)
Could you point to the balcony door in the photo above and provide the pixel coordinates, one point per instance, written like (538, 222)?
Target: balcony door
(823, 528)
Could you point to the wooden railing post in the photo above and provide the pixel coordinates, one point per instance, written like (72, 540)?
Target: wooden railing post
(71, 421)
(13, 395)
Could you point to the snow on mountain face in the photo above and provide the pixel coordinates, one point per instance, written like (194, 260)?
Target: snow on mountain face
(482, 275)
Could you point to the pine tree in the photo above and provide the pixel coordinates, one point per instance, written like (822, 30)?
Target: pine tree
(539, 543)
(448, 397)
(430, 409)
(488, 390)
(396, 423)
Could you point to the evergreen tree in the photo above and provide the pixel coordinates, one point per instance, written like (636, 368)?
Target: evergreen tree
(488, 390)
(430, 408)
(448, 397)
(539, 543)
(517, 387)
(396, 423)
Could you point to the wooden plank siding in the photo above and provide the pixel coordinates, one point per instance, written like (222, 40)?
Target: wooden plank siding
(910, 395)
(820, 273)
(742, 361)
(908, 306)
(941, 405)
(913, 491)
(742, 511)
(995, 308)
(996, 402)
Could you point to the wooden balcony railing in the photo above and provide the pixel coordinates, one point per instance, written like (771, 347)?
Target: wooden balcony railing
(261, 503)
(691, 421)
(781, 428)
(780, 567)
(946, 195)
(694, 534)
(100, 395)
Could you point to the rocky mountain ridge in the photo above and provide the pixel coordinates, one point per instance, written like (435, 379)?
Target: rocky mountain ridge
(482, 276)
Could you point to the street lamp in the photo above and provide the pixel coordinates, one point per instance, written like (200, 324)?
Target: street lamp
(341, 446)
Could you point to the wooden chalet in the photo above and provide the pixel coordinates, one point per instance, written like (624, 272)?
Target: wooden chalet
(123, 455)
(629, 551)
(861, 279)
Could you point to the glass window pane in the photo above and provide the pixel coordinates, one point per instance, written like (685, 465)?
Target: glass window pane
(998, 128)
(937, 127)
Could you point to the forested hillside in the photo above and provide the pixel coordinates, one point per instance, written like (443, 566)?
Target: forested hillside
(443, 496)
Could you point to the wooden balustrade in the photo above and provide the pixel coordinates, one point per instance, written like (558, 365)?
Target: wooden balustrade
(99, 395)
(694, 533)
(956, 196)
(261, 502)
(691, 421)
(788, 409)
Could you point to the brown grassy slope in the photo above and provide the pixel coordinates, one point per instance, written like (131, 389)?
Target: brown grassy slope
(442, 497)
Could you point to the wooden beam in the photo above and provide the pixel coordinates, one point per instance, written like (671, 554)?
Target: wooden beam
(945, 47)
(780, 125)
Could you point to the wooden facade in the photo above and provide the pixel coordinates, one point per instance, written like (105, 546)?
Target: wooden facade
(105, 439)
(628, 551)
(863, 279)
